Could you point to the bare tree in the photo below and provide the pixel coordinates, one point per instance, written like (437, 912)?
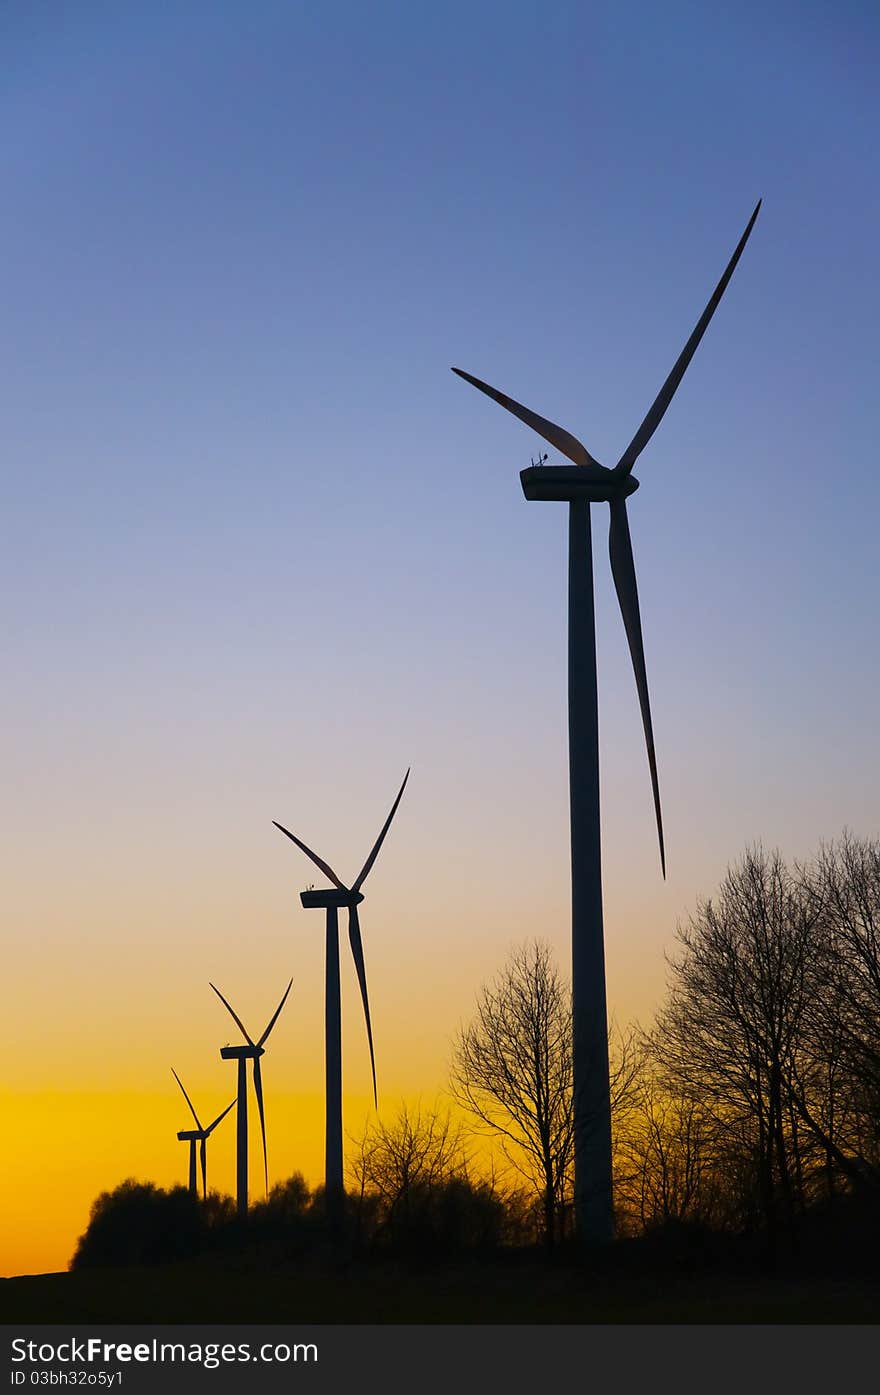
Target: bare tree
(421, 1146)
(665, 1161)
(512, 1071)
(733, 1022)
(416, 1187)
(835, 1083)
(626, 1068)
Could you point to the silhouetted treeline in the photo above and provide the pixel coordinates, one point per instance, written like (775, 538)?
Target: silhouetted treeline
(757, 1099)
(748, 1116)
(413, 1195)
(139, 1223)
(752, 1106)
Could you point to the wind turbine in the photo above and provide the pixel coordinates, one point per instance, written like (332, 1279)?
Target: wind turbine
(581, 484)
(197, 1135)
(252, 1052)
(331, 900)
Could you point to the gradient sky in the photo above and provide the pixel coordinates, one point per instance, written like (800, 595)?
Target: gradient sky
(262, 550)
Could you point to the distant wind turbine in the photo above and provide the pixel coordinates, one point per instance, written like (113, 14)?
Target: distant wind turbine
(252, 1052)
(580, 485)
(331, 900)
(199, 1134)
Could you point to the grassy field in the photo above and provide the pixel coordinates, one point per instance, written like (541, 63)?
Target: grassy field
(490, 1292)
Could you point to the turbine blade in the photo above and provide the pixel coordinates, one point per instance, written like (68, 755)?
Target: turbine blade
(556, 435)
(204, 1154)
(665, 395)
(234, 1015)
(274, 1018)
(318, 861)
(187, 1098)
(380, 840)
(211, 1127)
(258, 1091)
(624, 571)
(357, 953)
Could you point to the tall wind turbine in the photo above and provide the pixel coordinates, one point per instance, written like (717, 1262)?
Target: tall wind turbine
(252, 1052)
(199, 1134)
(579, 485)
(331, 900)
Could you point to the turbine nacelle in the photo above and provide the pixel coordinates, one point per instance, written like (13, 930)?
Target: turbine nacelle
(592, 483)
(191, 1135)
(330, 897)
(241, 1053)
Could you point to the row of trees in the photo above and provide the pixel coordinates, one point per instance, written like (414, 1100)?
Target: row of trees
(762, 1089)
(751, 1104)
(755, 1096)
(415, 1195)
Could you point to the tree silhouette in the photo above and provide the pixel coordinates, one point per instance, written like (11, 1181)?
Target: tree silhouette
(729, 1032)
(415, 1191)
(835, 1085)
(139, 1223)
(512, 1070)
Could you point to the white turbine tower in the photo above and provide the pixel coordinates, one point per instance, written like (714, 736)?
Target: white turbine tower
(580, 485)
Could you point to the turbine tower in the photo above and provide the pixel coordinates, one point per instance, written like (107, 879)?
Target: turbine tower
(331, 901)
(579, 485)
(252, 1052)
(197, 1135)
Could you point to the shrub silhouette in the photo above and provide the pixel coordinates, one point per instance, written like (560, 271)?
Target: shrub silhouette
(288, 1221)
(139, 1223)
(441, 1218)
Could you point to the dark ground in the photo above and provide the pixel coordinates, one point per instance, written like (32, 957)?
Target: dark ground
(523, 1289)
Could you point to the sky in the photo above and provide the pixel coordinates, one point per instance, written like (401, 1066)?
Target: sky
(263, 551)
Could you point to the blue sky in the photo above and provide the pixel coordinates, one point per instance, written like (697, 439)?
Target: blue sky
(263, 550)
